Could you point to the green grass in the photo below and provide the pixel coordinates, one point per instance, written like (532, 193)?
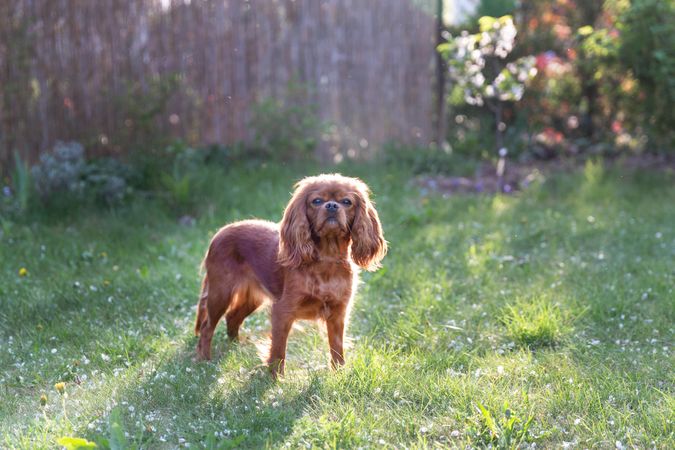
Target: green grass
(534, 323)
(545, 317)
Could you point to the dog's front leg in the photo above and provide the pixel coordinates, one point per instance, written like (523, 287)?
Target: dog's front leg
(335, 326)
(282, 321)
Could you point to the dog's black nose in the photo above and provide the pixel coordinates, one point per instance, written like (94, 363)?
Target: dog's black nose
(332, 206)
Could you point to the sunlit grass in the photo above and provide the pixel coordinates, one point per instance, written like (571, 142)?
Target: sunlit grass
(555, 305)
(535, 323)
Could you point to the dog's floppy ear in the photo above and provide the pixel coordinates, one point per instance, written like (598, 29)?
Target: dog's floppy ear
(368, 244)
(295, 237)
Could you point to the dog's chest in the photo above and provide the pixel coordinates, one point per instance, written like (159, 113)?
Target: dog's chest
(332, 289)
(327, 289)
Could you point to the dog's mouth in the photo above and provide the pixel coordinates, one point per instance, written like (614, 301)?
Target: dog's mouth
(331, 223)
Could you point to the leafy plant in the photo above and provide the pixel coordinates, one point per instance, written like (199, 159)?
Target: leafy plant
(177, 186)
(646, 49)
(22, 182)
(226, 444)
(179, 181)
(108, 179)
(142, 105)
(506, 432)
(16, 195)
(535, 324)
(427, 160)
(495, 8)
(60, 172)
(117, 440)
(74, 443)
(64, 177)
(286, 128)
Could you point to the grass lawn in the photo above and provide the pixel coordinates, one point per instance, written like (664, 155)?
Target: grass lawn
(545, 317)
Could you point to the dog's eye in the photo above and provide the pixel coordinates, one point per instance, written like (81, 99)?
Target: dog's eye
(317, 201)
(346, 202)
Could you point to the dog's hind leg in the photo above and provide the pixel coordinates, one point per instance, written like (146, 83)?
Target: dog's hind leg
(245, 303)
(217, 299)
(201, 305)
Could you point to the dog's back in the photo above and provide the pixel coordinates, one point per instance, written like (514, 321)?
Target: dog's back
(249, 245)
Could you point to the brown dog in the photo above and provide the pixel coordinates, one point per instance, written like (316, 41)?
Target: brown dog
(306, 266)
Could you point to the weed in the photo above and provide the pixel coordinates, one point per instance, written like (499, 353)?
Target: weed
(506, 432)
(536, 323)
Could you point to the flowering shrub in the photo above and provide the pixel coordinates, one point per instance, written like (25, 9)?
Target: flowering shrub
(606, 74)
(476, 63)
(483, 77)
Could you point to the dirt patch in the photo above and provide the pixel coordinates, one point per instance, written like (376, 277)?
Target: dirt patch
(519, 176)
(486, 180)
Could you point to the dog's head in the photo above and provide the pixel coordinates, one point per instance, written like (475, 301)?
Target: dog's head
(331, 207)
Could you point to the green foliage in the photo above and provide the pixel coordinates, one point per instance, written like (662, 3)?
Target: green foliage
(646, 49)
(506, 432)
(189, 174)
(108, 180)
(495, 8)
(606, 77)
(60, 172)
(64, 179)
(487, 24)
(285, 129)
(22, 183)
(535, 323)
(212, 443)
(427, 160)
(118, 439)
(142, 106)
(73, 443)
(177, 186)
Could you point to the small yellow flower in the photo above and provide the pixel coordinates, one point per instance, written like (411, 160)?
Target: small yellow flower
(23, 272)
(60, 387)
(39, 327)
(104, 255)
(106, 283)
(43, 400)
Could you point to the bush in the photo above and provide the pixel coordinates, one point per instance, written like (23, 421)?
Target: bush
(60, 172)
(108, 180)
(185, 174)
(142, 106)
(427, 160)
(63, 177)
(482, 76)
(647, 43)
(285, 129)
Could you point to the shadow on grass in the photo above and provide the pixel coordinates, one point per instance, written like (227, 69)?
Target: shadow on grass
(182, 398)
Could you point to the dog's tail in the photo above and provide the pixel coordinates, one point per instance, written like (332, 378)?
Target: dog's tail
(201, 306)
